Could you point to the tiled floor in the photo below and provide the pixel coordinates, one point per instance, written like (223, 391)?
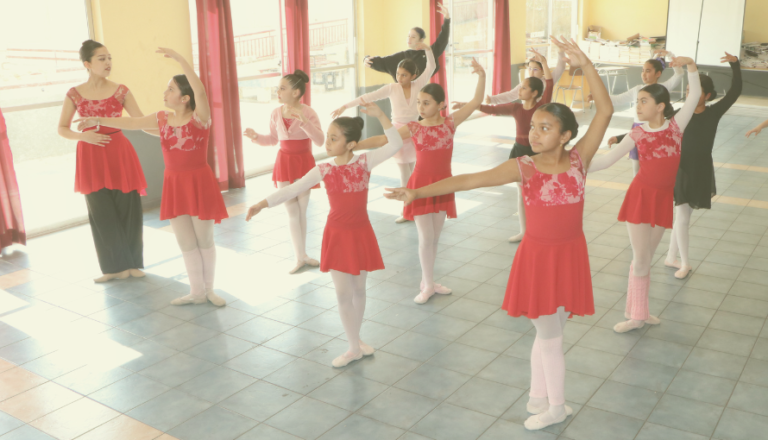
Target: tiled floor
(115, 361)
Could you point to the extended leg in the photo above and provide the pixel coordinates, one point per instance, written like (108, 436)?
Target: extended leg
(425, 225)
(204, 235)
(351, 299)
(298, 235)
(184, 231)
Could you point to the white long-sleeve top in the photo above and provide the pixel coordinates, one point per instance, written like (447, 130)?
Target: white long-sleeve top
(630, 96)
(514, 94)
(403, 110)
(315, 175)
(298, 130)
(682, 118)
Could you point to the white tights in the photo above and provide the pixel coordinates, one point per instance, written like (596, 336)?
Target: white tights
(635, 166)
(195, 239)
(350, 293)
(406, 169)
(297, 222)
(520, 212)
(679, 238)
(548, 366)
(429, 227)
(644, 239)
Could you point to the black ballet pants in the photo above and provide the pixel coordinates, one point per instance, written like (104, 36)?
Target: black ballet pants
(116, 223)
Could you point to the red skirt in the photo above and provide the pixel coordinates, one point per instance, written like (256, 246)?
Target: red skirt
(551, 266)
(651, 195)
(429, 205)
(192, 192)
(113, 166)
(350, 250)
(294, 161)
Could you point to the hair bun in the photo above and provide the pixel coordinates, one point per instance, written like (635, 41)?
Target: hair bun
(663, 62)
(301, 75)
(359, 121)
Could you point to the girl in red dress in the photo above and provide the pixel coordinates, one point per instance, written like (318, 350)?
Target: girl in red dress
(296, 126)
(550, 277)
(191, 196)
(649, 201)
(433, 138)
(108, 171)
(350, 249)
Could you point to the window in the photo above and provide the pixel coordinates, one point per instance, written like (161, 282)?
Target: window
(472, 28)
(549, 17)
(39, 62)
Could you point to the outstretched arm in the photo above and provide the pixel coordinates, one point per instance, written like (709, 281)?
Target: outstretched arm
(381, 140)
(394, 140)
(312, 178)
(463, 113)
(424, 77)
(606, 160)
(201, 98)
(441, 42)
(148, 122)
(507, 172)
(132, 107)
(505, 97)
(683, 117)
(756, 131)
(734, 92)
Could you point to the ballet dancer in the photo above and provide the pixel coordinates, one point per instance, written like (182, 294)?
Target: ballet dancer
(390, 64)
(107, 172)
(296, 126)
(647, 207)
(402, 97)
(533, 98)
(350, 249)
(535, 69)
(652, 70)
(550, 277)
(191, 197)
(433, 138)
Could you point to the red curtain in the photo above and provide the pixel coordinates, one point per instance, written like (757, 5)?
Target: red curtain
(502, 52)
(12, 222)
(435, 25)
(218, 71)
(297, 41)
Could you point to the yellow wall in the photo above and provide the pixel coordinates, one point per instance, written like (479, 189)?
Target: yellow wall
(517, 30)
(623, 18)
(755, 28)
(132, 30)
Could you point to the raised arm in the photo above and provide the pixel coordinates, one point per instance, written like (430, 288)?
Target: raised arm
(382, 92)
(381, 140)
(683, 117)
(606, 160)
(559, 68)
(424, 76)
(544, 65)
(387, 64)
(734, 92)
(394, 143)
(441, 42)
(587, 146)
(677, 78)
(202, 108)
(463, 113)
(507, 172)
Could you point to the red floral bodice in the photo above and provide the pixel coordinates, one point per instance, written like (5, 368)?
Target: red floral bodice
(438, 137)
(111, 107)
(191, 136)
(350, 178)
(658, 144)
(541, 189)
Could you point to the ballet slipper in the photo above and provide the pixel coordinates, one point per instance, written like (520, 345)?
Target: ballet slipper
(216, 300)
(343, 360)
(652, 320)
(189, 299)
(113, 276)
(137, 273)
(537, 405)
(627, 326)
(423, 296)
(675, 264)
(541, 421)
(311, 262)
(366, 349)
(516, 238)
(439, 288)
(298, 267)
(401, 220)
(683, 272)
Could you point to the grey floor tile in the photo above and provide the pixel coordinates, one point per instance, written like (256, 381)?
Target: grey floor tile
(129, 393)
(745, 306)
(733, 322)
(260, 401)
(358, 427)
(220, 349)
(223, 319)
(293, 313)
(727, 342)
(266, 432)
(88, 379)
(463, 358)
(579, 388)
(383, 367)
(687, 314)
(213, 424)
(297, 341)
(26, 432)
(503, 430)
(624, 399)
(501, 319)
(607, 340)
(169, 410)
(177, 369)
(151, 324)
(348, 391)
(416, 346)
(591, 362)
(8, 423)
(686, 415)
(308, 418)
(651, 431)
(485, 397)
(594, 424)
(702, 387)
(433, 382)
(398, 408)
(756, 372)
(715, 363)
(184, 336)
(449, 422)
(328, 323)
(401, 317)
(508, 370)
(303, 376)
(444, 327)
(740, 425)
(259, 330)
(750, 398)
(678, 332)
(217, 384)
(148, 353)
(470, 310)
(120, 314)
(700, 298)
(662, 352)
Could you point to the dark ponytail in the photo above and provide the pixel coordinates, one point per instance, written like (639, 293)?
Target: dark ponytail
(298, 80)
(87, 50)
(351, 128)
(660, 94)
(409, 66)
(536, 85)
(420, 31)
(564, 115)
(707, 86)
(186, 89)
(435, 91)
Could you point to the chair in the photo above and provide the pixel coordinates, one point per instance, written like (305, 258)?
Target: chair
(613, 72)
(573, 86)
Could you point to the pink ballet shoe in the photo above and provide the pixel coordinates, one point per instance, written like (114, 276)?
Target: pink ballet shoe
(216, 300)
(343, 360)
(541, 420)
(683, 272)
(189, 299)
(311, 262)
(366, 349)
(113, 276)
(137, 273)
(537, 409)
(423, 297)
(439, 288)
(652, 320)
(517, 238)
(627, 326)
(401, 220)
(675, 264)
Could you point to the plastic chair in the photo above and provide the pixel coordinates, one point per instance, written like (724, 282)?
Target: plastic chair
(578, 87)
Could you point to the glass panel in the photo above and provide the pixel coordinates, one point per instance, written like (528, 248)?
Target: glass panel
(471, 36)
(536, 22)
(39, 62)
(331, 44)
(464, 81)
(562, 14)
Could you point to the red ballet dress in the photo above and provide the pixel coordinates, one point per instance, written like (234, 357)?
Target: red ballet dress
(294, 159)
(349, 243)
(551, 266)
(115, 165)
(434, 149)
(651, 195)
(189, 185)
